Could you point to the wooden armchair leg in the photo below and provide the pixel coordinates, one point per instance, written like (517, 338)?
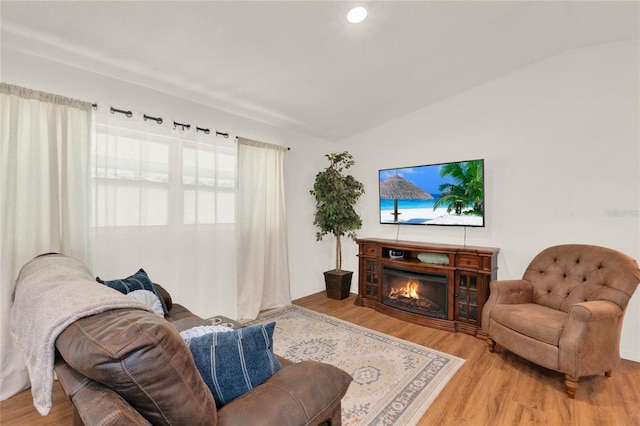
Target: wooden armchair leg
(491, 343)
(571, 383)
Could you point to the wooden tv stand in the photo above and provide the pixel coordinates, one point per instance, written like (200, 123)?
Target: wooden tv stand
(469, 271)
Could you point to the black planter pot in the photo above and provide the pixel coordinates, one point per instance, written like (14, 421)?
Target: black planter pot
(338, 284)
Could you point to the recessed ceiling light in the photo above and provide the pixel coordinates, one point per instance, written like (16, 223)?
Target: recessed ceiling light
(357, 14)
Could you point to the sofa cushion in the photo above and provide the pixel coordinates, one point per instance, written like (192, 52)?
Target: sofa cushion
(303, 393)
(142, 358)
(235, 362)
(138, 281)
(182, 318)
(536, 321)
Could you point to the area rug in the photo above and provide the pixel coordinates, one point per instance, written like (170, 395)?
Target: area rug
(394, 381)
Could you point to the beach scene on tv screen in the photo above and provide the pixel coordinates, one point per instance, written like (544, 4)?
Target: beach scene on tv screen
(438, 194)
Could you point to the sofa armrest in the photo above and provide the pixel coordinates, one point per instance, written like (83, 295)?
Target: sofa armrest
(93, 403)
(506, 292)
(304, 393)
(511, 291)
(98, 405)
(595, 310)
(143, 359)
(590, 325)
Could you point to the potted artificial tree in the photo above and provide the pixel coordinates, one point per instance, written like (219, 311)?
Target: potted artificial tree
(336, 193)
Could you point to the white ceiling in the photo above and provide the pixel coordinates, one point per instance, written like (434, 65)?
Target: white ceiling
(300, 65)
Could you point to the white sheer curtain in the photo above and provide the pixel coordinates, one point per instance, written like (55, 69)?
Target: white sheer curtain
(164, 201)
(263, 265)
(44, 197)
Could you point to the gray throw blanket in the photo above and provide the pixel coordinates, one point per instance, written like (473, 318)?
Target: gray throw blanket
(51, 292)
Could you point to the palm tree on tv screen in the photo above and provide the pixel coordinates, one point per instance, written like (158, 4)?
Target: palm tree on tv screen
(466, 192)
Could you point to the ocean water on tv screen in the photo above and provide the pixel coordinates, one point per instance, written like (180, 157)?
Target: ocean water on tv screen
(410, 204)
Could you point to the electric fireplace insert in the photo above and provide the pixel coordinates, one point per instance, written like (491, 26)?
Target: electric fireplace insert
(418, 292)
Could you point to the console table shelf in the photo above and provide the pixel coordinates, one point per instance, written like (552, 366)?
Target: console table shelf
(468, 271)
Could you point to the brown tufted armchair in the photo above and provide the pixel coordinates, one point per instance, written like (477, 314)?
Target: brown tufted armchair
(566, 312)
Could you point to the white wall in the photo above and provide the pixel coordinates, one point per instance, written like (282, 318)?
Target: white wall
(301, 164)
(561, 143)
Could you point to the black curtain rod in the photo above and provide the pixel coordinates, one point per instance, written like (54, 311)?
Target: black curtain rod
(159, 120)
(156, 119)
(129, 114)
(176, 124)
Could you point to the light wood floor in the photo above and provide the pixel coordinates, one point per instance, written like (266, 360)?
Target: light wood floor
(489, 389)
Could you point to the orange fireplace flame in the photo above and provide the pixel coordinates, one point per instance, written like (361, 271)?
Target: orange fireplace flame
(410, 291)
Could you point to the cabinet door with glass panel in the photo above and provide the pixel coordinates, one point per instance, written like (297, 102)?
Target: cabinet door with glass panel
(371, 279)
(467, 286)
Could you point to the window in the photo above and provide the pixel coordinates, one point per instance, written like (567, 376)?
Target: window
(208, 179)
(153, 179)
(164, 200)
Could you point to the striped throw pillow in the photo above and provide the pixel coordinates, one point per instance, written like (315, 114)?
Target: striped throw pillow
(233, 363)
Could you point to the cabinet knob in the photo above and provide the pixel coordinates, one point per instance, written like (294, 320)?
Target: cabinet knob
(468, 261)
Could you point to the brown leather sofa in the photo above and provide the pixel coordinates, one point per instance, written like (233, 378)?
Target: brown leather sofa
(131, 367)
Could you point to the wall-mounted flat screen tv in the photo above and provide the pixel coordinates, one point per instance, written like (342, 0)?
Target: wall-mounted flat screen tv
(435, 194)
